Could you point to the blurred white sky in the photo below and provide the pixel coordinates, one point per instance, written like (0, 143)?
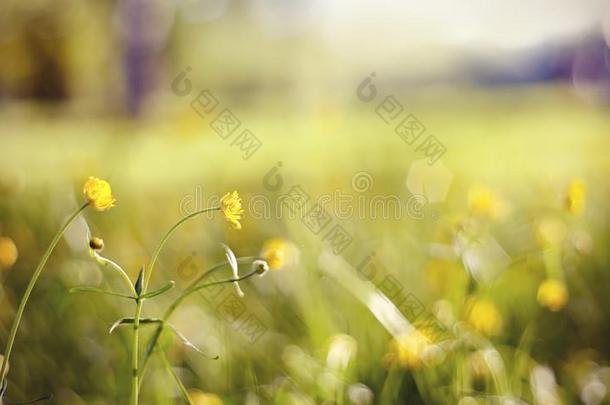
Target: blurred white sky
(406, 29)
(474, 23)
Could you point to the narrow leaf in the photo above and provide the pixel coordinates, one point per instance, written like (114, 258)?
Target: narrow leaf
(160, 291)
(99, 291)
(139, 282)
(188, 343)
(129, 321)
(181, 387)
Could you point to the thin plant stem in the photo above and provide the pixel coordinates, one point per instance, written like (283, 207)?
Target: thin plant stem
(104, 261)
(218, 266)
(170, 370)
(170, 310)
(30, 287)
(157, 333)
(138, 313)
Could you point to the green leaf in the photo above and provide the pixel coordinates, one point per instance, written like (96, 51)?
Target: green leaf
(181, 387)
(129, 321)
(139, 282)
(159, 291)
(99, 291)
(188, 343)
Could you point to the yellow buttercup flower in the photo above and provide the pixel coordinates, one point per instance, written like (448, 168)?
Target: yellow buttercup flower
(98, 194)
(575, 197)
(275, 252)
(484, 201)
(204, 398)
(408, 350)
(230, 205)
(8, 252)
(484, 317)
(553, 294)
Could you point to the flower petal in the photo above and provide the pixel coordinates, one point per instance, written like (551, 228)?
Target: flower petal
(234, 268)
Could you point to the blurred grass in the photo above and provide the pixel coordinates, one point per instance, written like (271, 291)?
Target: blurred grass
(524, 143)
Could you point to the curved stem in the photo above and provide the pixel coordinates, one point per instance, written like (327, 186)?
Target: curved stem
(218, 266)
(170, 310)
(169, 233)
(30, 287)
(104, 261)
(136, 319)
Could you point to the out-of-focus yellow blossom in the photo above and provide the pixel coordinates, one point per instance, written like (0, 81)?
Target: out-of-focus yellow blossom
(484, 317)
(98, 193)
(230, 204)
(408, 350)
(575, 197)
(275, 253)
(551, 231)
(553, 294)
(204, 398)
(484, 201)
(8, 252)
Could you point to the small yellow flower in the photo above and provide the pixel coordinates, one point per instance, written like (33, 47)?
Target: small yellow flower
(408, 350)
(484, 201)
(484, 317)
(575, 197)
(8, 252)
(230, 204)
(553, 294)
(98, 194)
(275, 253)
(204, 398)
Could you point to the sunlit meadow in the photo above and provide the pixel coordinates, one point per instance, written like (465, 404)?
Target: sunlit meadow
(338, 262)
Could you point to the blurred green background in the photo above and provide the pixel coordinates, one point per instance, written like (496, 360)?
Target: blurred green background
(517, 97)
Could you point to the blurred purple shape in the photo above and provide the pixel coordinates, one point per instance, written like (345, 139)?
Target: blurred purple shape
(144, 25)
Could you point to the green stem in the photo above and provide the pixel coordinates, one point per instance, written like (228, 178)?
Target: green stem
(218, 266)
(134, 353)
(181, 386)
(169, 233)
(30, 287)
(104, 261)
(136, 319)
(170, 310)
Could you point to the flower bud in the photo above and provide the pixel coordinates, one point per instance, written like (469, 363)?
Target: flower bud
(260, 266)
(96, 243)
